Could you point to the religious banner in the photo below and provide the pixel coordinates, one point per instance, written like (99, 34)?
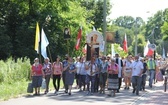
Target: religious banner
(67, 33)
(93, 40)
(110, 37)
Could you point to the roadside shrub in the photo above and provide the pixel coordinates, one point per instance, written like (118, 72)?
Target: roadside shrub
(12, 71)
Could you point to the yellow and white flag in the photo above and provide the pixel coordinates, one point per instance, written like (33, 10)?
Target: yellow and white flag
(37, 38)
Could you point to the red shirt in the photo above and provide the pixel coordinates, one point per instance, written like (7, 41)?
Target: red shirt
(37, 70)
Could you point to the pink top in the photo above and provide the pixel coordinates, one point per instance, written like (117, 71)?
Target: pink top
(57, 69)
(113, 69)
(37, 70)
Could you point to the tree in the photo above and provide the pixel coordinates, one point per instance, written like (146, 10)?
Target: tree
(96, 8)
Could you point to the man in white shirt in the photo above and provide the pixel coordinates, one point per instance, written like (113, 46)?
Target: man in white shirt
(137, 70)
(91, 69)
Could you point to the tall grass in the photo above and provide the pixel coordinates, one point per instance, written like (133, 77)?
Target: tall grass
(15, 89)
(13, 77)
(11, 71)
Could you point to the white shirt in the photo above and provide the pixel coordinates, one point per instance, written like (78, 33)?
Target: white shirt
(93, 69)
(78, 67)
(82, 70)
(136, 66)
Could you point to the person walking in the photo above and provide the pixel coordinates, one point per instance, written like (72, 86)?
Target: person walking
(70, 74)
(120, 65)
(137, 70)
(82, 74)
(57, 73)
(113, 81)
(37, 75)
(65, 64)
(127, 72)
(91, 69)
(103, 74)
(143, 82)
(151, 66)
(47, 68)
(77, 64)
(97, 82)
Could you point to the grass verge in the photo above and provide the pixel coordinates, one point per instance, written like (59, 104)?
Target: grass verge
(18, 88)
(12, 90)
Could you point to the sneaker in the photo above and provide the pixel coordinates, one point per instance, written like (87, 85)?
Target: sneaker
(127, 88)
(66, 91)
(69, 94)
(55, 92)
(84, 89)
(143, 88)
(45, 92)
(150, 86)
(103, 91)
(80, 90)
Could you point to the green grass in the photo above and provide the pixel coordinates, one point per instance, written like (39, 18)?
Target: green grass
(12, 90)
(17, 89)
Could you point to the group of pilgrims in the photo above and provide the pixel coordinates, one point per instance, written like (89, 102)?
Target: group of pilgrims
(103, 75)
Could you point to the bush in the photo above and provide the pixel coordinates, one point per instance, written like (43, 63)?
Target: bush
(12, 71)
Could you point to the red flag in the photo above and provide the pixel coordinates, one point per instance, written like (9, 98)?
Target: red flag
(79, 39)
(125, 48)
(148, 51)
(84, 50)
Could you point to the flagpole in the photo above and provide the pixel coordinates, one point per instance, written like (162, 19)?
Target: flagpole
(40, 56)
(104, 25)
(50, 54)
(40, 50)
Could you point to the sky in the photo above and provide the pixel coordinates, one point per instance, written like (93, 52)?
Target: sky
(136, 8)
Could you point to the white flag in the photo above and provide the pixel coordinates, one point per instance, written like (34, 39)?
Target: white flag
(101, 46)
(163, 54)
(112, 51)
(44, 44)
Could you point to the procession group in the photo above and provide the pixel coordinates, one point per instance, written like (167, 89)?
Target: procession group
(96, 75)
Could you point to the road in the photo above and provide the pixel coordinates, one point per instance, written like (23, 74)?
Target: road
(154, 96)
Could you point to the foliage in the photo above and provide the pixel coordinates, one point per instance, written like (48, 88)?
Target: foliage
(164, 28)
(129, 22)
(12, 71)
(120, 50)
(19, 17)
(96, 8)
(153, 30)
